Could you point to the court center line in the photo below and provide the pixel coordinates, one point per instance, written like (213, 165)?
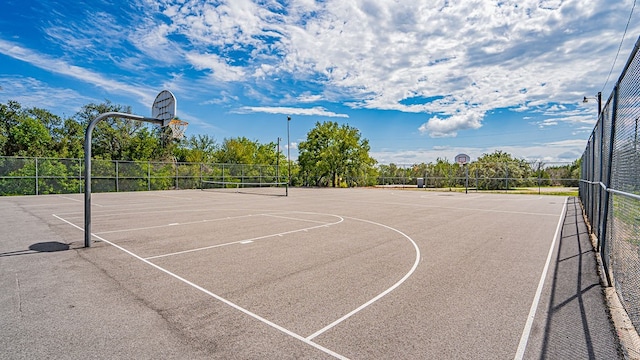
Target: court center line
(526, 332)
(245, 240)
(379, 296)
(215, 296)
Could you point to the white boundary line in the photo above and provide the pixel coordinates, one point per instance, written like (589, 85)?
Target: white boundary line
(522, 345)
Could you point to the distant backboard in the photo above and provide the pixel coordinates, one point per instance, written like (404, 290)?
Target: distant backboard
(164, 107)
(462, 159)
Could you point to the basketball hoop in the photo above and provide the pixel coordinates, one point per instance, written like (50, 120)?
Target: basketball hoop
(462, 159)
(178, 127)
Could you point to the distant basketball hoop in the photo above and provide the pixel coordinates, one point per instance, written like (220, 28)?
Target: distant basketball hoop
(462, 159)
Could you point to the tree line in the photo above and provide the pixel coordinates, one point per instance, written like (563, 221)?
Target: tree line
(332, 154)
(35, 132)
(495, 171)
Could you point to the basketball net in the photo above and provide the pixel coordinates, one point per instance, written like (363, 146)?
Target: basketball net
(178, 127)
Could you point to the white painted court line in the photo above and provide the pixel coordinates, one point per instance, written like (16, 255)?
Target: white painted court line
(174, 224)
(378, 297)
(244, 241)
(168, 197)
(68, 198)
(522, 345)
(294, 218)
(468, 209)
(217, 297)
(427, 206)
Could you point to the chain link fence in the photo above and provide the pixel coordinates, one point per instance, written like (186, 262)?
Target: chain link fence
(484, 176)
(39, 176)
(610, 187)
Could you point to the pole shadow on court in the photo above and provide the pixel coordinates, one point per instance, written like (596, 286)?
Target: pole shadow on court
(41, 247)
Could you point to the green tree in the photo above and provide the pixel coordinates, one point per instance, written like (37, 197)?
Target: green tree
(332, 154)
(70, 135)
(564, 175)
(50, 121)
(201, 149)
(499, 170)
(244, 151)
(143, 145)
(9, 117)
(28, 138)
(441, 173)
(111, 137)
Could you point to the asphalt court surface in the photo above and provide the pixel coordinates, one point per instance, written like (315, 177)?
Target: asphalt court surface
(322, 273)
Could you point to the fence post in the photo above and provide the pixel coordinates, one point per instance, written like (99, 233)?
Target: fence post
(506, 177)
(476, 179)
(605, 214)
(149, 175)
(117, 177)
(539, 174)
(37, 192)
(175, 163)
(466, 179)
(80, 174)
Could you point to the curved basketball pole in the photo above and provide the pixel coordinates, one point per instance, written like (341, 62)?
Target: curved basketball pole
(87, 163)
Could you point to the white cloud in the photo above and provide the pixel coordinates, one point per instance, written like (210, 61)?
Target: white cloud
(308, 98)
(447, 127)
(63, 68)
(220, 70)
(478, 55)
(472, 56)
(30, 92)
(315, 111)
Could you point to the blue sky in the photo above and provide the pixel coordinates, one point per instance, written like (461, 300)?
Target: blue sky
(420, 79)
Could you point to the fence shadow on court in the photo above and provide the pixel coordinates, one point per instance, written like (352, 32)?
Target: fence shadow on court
(578, 325)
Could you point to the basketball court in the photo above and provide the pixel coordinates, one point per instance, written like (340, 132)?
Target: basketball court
(321, 273)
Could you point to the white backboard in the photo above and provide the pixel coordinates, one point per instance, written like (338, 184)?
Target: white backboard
(164, 107)
(462, 159)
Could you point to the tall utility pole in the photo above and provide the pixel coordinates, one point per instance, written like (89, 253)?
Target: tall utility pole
(278, 162)
(289, 150)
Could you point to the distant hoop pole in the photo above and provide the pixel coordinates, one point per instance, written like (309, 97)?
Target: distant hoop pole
(463, 160)
(288, 154)
(87, 163)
